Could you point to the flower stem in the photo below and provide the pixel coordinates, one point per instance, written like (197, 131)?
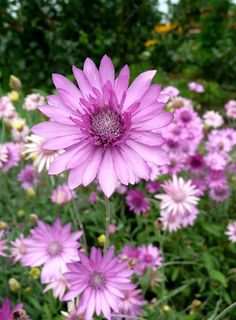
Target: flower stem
(108, 218)
(77, 217)
(225, 311)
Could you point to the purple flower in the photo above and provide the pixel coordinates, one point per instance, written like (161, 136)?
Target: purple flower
(100, 281)
(153, 186)
(15, 313)
(53, 247)
(93, 198)
(196, 87)
(19, 248)
(230, 108)
(220, 193)
(106, 128)
(137, 201)
(196, 163)
(150, 257)
(9, 156)
(28, 176)
(62, 194)
(3, 246)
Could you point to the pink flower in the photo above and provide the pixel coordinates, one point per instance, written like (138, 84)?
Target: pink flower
(93, 198)
(18, 249)
(220, 193)
(131, 305)
(230, 108)
(150, 257)
(170, 91)
(216, 161)
(105, 128)
(7, 110)
(100, 280)
(131, 255)
(137, 202)
(58, 286)
(213, 119)
(196, 163)
(10, 156)
(62, 194)
(112, 228)
(231, 231)
(215, 178)
(178, 202)
(28, 177)
(153, 186)
(53, 247)
(3, 246)
(196, 87)
(8, 313)
(33, 101)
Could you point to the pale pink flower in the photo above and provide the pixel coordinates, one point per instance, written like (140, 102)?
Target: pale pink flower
(231, 231)
(149, 257)
(106, 127)
(7, 109)
(51, 247)
(213, 119)
(196, 87)
(10, 156)
(171, 221)
(220, 193)
(58, 287)
(230, 108)
(170, 91)
(62, 194)
(33, 101)
(41, 156)
(3, 246)
(18, 249)
(100, 281)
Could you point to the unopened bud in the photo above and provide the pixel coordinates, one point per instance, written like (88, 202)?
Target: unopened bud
(14, 285)
(102, 239)
(33, 218)
(14, 96)
(31, 193)
(15, 83)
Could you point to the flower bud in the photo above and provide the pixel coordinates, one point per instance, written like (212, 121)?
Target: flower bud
(33, 218)
(102, 239)
(34, 273)
(15, 83)
(14, 96)
(31, 193)
(14, 285)
(3, 225)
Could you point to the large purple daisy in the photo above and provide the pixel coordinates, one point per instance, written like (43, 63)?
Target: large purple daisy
(106, 128)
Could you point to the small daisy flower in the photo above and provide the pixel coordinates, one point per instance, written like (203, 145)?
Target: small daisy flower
(62, 194)
(231, 231)
(137, 202)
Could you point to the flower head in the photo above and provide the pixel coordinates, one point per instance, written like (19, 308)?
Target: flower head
(33, 101)
(150, 257)
(100, 281)
(53, 247)
(9, 156)
(3, 245)
(19, 248)
(137, 201)
(28, 177)
(41, 156)
(15, 313)
(196, 87)
(230, 108)
(178, 203)
(62, 194)
(213, 119)
(107, 129)
(231, 231)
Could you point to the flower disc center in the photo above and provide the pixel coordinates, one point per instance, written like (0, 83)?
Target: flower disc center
(97, 280)
(54, 248)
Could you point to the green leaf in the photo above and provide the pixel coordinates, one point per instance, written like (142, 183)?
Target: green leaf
(218, 276)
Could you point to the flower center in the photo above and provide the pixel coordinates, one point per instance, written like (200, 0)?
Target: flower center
(179, 196)
(22, 248)
(106, 126)
(186, 116)
(19, 315)
(54, 248)
(97, 280)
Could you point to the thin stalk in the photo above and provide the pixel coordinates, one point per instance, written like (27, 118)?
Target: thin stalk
(224, 312)
(127, 316)
(107, 222)
(77, 217)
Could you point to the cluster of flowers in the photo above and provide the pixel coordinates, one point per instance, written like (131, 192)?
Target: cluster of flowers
(114, 134)
(103, 282)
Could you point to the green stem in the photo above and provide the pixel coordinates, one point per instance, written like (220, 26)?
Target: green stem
(77, 217)
(127, 316)
(224, 312)
(108, 218)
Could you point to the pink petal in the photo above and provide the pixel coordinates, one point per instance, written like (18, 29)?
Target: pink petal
(150, 154)
(51, 129)
(120, 166)
(59, 143)
(160, 121)
(149, 138)
(138, 87)
(60, 163)
(91, 72)
(122, 82)
(107, 175)
(92, 167)
(106, 70)
(83, 82)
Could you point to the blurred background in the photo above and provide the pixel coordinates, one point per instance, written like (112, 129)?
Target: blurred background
(184, 40)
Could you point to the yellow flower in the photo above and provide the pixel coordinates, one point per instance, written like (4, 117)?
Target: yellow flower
(34, 273)
(31, 193)
(18, 123)
(166, 308)
(164, 28)
(14, 285)
(15, 83)
(150, 43)
(102, 239)
(14, 96)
